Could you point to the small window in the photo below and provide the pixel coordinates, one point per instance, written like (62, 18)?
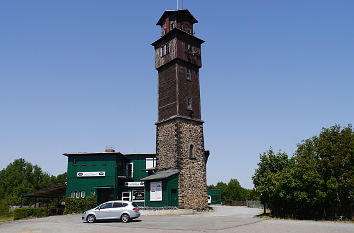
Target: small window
(77, 194)
(117, 205)
(93, 193)
(172, 26)
(150, 163)
(181, 26)
(130, 169)
(106, 205)
(83, 194)
(187, 47)
(188, 74)
(165, 49)
(191, 148)
(189, 103)
(72, 194)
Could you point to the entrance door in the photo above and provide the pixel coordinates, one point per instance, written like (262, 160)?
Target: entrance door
(173, 198)
(104, 195)
(126, 196)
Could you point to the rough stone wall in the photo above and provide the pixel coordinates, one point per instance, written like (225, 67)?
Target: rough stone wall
(174, 138)
(166, 146)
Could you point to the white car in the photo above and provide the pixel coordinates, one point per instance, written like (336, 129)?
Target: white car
(123, 210)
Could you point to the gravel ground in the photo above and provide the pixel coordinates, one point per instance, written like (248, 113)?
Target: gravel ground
(224, 219)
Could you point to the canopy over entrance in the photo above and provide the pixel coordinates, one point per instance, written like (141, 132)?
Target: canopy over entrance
(58, 190)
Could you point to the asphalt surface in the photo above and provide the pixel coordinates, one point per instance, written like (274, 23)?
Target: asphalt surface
(224, 219)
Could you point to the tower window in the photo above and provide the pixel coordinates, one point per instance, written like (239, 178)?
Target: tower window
(165, 49)
(187, 47)
(191, 147)
(189, 74)
(172, 26)
(189, 103)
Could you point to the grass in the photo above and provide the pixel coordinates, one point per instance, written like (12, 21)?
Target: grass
(6, 218)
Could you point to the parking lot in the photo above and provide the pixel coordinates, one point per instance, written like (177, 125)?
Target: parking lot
(223, 219)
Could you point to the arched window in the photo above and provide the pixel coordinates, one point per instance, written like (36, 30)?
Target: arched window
(191, 148)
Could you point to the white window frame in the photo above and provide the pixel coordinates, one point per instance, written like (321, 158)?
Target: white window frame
(82, 194)
(130, 196)
(147, 164)
(132, 173)
(72, 194)
(77, 194)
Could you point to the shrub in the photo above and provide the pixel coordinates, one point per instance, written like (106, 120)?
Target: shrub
(20, 213)
(74, 206)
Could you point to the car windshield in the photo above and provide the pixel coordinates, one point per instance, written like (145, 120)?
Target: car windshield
(134, 204)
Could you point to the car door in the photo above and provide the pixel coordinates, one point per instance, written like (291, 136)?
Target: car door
(117, 209)
(104, 210)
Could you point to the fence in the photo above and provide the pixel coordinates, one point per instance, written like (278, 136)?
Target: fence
(250, 204)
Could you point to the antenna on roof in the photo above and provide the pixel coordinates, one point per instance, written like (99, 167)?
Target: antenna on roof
(177, 4)
(182, 5)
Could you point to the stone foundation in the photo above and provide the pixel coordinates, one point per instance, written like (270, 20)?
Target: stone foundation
(180, 145)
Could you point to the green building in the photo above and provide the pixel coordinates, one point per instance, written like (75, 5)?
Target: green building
(215, 196)
(109, 175)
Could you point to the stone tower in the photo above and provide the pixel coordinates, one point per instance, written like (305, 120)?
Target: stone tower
(179, 133)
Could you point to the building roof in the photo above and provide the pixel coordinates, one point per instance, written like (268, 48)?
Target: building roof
(139, 153)
(179, 14)
(160, 175)
(52, 191)
(90, 153)
(105, 152)
(173, 33)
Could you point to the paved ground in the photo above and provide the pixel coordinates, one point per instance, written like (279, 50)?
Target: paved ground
(223, 220)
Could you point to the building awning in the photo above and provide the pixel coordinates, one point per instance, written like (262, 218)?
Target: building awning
(58, 190)
(160, 175)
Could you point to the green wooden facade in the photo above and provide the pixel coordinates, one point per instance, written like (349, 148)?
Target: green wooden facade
(215, 195)
(107, 176)
(169, 192)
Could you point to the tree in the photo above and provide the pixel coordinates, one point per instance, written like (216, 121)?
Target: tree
(21, 177)
(317, 182)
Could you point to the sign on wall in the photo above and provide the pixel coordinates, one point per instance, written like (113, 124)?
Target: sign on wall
(138, 195)
(90, 174)
(134, 184)
(156, 191)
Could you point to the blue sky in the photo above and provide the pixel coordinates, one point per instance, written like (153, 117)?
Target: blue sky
(76, 76)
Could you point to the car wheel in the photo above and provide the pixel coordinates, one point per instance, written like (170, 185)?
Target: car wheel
(125, 218)
(91, 218)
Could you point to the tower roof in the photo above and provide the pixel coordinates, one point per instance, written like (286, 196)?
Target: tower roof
(181, 15)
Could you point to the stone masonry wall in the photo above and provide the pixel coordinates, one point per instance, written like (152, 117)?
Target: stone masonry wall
(174, 140)
(166, 149)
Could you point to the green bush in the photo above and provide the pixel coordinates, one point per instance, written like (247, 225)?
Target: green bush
(20, 213)
(90, 203)
(74, 206)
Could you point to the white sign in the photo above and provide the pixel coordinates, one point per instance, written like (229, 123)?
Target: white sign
(90, 174)
(134, 184)
(156, 191)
